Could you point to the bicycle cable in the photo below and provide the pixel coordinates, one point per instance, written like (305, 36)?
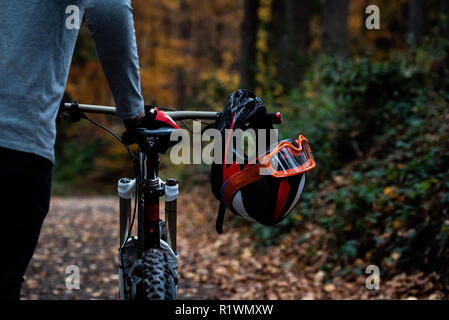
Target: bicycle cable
(135, 166)
(133, 158)
(131, 154)
(182, 121)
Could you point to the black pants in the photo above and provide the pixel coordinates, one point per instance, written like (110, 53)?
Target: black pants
(25, 183)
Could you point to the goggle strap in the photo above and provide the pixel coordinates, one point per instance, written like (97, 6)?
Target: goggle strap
(239, 180)
(252, 174)
(220, 218)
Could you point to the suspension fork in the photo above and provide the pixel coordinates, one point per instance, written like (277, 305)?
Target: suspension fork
(171, 211)
(126, 187)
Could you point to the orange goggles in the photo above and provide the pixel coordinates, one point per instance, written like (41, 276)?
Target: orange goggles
(288, 158)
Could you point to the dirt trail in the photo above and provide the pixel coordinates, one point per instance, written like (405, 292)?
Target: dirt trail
(84, 232)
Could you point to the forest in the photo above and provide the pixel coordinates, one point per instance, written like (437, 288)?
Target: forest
(373, 104)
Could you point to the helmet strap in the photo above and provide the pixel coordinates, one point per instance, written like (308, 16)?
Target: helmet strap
(220, 217)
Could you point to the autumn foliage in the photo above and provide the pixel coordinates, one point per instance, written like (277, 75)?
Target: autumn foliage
(375, 113)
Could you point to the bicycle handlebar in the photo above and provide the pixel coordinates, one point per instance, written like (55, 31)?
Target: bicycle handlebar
(175, 115)
(274, 117)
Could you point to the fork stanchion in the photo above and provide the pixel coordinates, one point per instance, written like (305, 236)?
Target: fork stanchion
(171, 210)
(125, 189)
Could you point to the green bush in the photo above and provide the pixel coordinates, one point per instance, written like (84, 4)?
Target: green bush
(379, 133)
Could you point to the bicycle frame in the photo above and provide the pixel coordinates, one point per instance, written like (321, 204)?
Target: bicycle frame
(151, 189)
(148, 188)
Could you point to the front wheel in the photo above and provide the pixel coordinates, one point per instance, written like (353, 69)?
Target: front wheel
(159, 276)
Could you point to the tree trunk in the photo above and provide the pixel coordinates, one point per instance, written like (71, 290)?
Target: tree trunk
(184, 33)
(335, 27)
(445, 8)
(415, 20)
(290, 40)
(248, 46)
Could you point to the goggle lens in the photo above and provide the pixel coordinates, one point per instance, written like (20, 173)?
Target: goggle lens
(288, 160)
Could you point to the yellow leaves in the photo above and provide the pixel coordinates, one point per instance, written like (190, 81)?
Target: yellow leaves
(227, 78)
(272, 296)
(172, 4)
(376, 206)
(220, 270)
(338, 180)
(359, 262)
(299, 217)
(272, 269)
(212, 268)
(434, 296)
(265, 10)
(329, 287)
(385, 235)
(318, 279)
(310, 94)
(217, 243)
(88, 83)
(278, 90)
(262, 45)
(189, 275)
(302, 266)
(246, 254)
(198, 38)
(355, 17)
(395, 256)
(390, 192)
(397, 224)
(228, 59)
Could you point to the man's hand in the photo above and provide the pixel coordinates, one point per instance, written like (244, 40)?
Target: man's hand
(136, 122)
(151, 118)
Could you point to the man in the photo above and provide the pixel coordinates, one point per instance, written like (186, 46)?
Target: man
(36, 48)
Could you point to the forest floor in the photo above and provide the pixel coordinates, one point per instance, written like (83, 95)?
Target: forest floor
(83, 231)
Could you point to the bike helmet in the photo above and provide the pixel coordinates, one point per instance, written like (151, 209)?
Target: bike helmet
(265, 188)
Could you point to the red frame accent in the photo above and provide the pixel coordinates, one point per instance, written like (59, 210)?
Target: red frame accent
(284, 189)
(279, 116)
(151, 212)
(163, 117)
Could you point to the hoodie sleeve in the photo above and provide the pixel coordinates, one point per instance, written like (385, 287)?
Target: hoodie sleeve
(112, 27)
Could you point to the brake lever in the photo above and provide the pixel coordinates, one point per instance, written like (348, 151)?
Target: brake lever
(74, 113)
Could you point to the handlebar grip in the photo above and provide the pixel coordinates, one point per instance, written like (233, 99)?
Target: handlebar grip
(274, 117)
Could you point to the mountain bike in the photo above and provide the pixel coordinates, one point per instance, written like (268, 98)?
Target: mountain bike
(147, 261)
